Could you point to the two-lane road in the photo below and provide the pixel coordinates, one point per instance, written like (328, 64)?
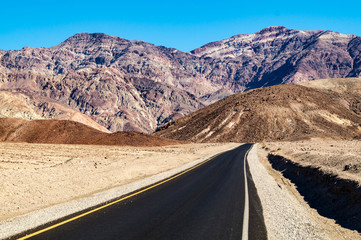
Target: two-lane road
(210, 201)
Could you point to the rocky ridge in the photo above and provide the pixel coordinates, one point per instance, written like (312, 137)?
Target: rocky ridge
(278, 55)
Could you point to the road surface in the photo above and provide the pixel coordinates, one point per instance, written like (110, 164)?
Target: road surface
(211, 201)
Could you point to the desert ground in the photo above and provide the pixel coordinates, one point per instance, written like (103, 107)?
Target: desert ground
(34, 176)
(342, 158)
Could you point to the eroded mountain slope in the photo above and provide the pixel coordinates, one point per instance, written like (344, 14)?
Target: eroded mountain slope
(283, 112)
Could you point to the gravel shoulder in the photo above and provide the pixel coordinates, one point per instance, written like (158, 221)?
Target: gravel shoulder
(44, 182)
(287, 215)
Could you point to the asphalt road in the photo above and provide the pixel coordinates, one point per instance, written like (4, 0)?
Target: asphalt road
(208, 202)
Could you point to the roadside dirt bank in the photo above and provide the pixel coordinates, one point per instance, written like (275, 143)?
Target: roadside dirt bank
(308, 170)
(331, 196)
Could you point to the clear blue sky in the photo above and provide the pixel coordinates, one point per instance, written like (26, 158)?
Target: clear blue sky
(184, 25)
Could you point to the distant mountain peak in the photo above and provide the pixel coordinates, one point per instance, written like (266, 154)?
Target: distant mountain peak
(84, 35)
(86, 38)
(273, 29)
(267, 30)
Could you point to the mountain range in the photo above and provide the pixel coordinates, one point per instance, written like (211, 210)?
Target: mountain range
(115, 84)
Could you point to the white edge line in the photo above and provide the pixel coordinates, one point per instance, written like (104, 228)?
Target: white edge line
(246, 200)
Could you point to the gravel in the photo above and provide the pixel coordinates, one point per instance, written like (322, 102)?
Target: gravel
(285, 217)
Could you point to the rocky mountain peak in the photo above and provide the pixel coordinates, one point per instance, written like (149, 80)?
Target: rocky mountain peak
(89, 37)
(91, 41)
(336, 37)
(273, 29)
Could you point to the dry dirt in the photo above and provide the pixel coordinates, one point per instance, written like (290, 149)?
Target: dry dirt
(330, 156)
(342, 158)
(35, 176)
(285, 217)
(70, 132)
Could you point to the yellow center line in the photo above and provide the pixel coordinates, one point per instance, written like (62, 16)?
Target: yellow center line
(114, 202)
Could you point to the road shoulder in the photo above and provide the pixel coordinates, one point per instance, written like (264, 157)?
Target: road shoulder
(329, 227)
(285, 217)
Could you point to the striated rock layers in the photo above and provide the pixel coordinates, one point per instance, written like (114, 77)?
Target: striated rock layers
(134, 85)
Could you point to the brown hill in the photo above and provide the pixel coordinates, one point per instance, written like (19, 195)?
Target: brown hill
(70, 132)
(283, 112)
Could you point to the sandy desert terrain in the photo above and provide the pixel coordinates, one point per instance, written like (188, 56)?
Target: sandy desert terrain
(342, 158)
(34, 176)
